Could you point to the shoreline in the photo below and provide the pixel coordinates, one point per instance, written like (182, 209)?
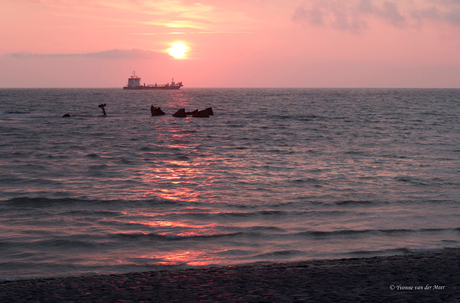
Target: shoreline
(422, 277)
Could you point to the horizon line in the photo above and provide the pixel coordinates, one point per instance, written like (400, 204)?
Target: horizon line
(238, 87)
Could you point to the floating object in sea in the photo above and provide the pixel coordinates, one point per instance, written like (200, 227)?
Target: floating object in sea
(180, 113)
(156, 111)
(103, 110)
(204, 113)
(191, 113)
(196, 113)
(66, 116)
(209, 110)
(201, 114)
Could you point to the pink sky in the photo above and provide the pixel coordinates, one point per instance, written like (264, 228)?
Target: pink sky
(232, 43)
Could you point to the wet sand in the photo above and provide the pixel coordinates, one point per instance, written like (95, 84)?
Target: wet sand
(426, 277)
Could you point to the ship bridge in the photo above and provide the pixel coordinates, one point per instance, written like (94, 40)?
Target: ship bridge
(134, 81)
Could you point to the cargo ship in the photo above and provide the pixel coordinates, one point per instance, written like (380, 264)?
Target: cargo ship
(134, 82)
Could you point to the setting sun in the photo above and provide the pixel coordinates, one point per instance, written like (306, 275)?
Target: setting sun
(178, 50)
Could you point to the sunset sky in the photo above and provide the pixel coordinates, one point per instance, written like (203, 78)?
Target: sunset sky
(230, 43)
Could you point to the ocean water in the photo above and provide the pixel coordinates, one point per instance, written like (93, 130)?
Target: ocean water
(275, 175)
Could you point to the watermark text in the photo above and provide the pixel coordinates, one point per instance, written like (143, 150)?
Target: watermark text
(416, 287)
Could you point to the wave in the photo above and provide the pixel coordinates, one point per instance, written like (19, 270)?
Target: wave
(92, 155)
(306, 180)
(266, 228)
(279, 254)
(265, 214)
(99, 213)
(416, 181)
(394, 251)
(372, 232)
(235, 252)
(25, 115)
(351, 203)
(42, 202)
(412, 180)
(258, 232)
(67, 243)
(234, 215)
(155, 236)
(358, 202)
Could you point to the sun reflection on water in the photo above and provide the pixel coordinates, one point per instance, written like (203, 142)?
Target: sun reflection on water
(176, 180)
(189, 257)
(191, 229)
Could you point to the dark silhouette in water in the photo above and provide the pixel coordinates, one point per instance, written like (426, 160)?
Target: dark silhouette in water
(156, 111)
(191, 113)
(103, 110)
(196, 113)
(180, 113)
(66, 116)
(209, 110)
(203, 113)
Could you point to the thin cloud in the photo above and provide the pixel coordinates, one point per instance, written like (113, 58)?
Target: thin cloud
(332, 14)
(109, 54)
(448, 14)
(454, 16)
(391, 14)
(164, 14)
(354, 16)
(313, 16)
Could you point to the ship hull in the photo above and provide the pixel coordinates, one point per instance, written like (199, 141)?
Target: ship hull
(151, 87)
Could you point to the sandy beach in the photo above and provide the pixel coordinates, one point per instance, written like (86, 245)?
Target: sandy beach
(425, 277)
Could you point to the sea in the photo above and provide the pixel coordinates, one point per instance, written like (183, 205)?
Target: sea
(275, 175)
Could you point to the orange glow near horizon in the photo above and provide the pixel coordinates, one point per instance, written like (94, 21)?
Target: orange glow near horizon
(178, 50)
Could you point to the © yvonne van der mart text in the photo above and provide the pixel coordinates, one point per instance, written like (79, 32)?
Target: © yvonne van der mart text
(417, 287)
